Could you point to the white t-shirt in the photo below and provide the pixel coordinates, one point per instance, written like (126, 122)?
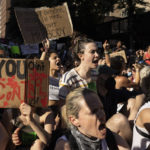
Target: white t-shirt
(53, 88)
(71, 80)
(140, 142)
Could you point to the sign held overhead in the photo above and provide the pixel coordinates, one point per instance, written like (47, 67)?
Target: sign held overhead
(40, 23)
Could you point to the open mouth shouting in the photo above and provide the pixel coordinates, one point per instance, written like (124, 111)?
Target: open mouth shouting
(58, 64)
(95, 62)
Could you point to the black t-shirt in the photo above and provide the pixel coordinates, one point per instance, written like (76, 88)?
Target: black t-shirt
(1, 112)
(115, 96)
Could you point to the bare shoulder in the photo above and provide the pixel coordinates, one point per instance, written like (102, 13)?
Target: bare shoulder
(143, 119)
(121, 143)
(48, 114)
(62, 145)
(121, 78)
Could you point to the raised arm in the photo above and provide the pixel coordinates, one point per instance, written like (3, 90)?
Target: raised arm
(106, 52)
(46, 45)
(44, 134)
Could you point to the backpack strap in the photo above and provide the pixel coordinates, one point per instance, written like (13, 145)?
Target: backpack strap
(142, 133)
(111, 141)
(72, 141)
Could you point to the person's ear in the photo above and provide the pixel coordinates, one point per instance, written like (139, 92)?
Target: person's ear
(80, 55)
(74, 121)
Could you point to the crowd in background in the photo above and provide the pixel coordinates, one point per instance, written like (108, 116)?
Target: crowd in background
(96, 102)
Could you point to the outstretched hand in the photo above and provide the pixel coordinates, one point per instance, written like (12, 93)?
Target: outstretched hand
(15, 137)
(46, 44)
(106, 45)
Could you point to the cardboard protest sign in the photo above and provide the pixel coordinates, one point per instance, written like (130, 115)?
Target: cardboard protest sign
(30, 26)
(29, 49)
(40, 23)
(19, 78)
(120, 53)
(38, 83)
(12, 82)
(56, 20)
(15, 50)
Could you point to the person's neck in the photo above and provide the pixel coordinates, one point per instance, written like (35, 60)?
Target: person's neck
(83, 72)
(53, 73)
(87, 135)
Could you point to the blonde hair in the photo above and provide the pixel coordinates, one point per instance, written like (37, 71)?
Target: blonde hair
(145, 79)
(72, 102)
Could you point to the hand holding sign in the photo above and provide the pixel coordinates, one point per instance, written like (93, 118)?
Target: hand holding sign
(46, 44)
(39, 23)
(26, 111)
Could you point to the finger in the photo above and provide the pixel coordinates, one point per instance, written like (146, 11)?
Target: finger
(15, 138)
(105, 41)
(17, 130)
(17, 142)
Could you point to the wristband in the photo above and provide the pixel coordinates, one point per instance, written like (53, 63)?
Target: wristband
(106, 52)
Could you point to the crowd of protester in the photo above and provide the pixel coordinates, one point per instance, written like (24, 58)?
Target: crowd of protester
(96, 102)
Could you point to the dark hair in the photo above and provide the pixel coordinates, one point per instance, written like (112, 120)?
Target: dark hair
(48, 54)
(147, 47)
(80, 44)
(104, 69)
(117, 63)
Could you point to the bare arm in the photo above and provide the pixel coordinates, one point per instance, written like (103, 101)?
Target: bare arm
(144, 56)
(43, 56)
(44, 134)
(122, 81)
(107, 57)
(137, 73)
(143, 119)
(46, 45)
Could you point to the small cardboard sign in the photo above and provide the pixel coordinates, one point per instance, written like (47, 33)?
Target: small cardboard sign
(41, 23)
(15, 50)
(23, 80)
(120, 53)
(29, 49)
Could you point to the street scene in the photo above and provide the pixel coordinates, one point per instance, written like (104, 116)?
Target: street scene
(74, 75)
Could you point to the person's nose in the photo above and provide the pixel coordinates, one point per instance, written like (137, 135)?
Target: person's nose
(96, 54)
(58, 59)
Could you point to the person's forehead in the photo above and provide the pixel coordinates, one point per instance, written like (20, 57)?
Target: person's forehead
(53, 54)
(90, 100)
(90, 46)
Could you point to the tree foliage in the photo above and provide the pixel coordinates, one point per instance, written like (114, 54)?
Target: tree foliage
(85, 14)
(131, 6)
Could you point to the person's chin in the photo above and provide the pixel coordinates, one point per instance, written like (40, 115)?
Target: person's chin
(94, 66)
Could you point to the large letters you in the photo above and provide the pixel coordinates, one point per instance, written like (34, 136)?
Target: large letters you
(23, 80)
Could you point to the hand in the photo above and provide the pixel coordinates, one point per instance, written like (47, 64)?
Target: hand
(137, 67)
(46, 44)
(139, 53)
(15, 137)
(106, 45)
(26, 111)
(101, 62)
